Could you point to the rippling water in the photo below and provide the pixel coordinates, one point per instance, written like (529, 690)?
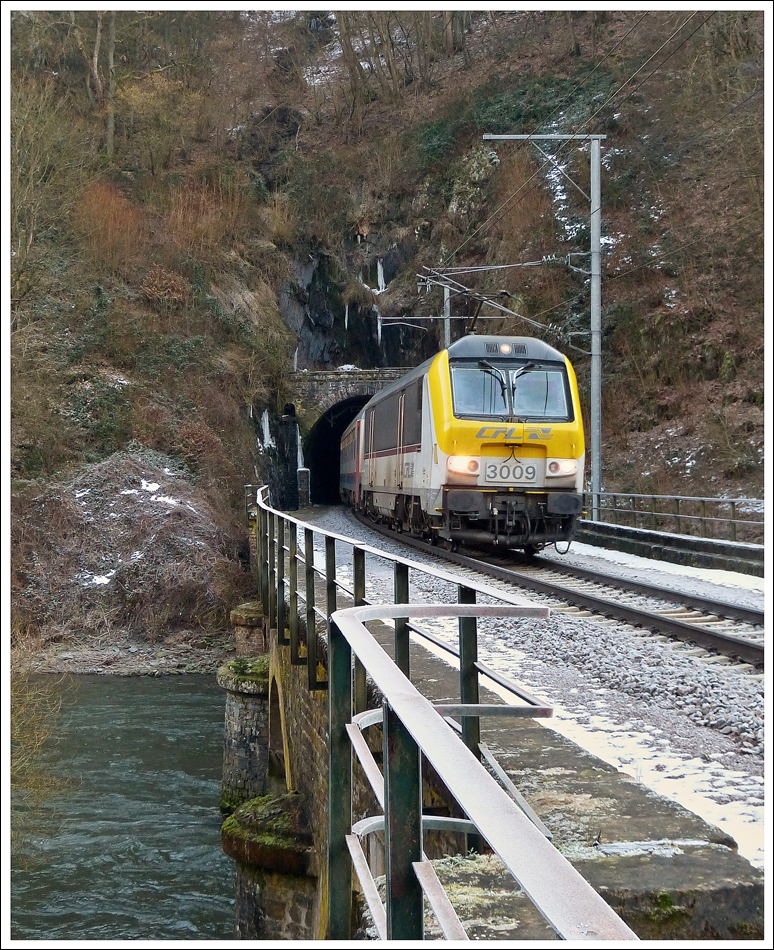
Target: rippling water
(130, 848)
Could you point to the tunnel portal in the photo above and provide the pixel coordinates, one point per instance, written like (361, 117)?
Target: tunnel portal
(321, 449)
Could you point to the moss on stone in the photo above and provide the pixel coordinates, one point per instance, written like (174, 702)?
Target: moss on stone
(270, 832)
(245, 674)
(665, 910)
(247, 615)
(229, 802)
(256, 668)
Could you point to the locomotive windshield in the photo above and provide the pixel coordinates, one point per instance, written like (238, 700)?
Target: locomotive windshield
(524, 391)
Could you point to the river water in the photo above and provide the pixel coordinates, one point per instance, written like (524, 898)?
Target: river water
(129, 847)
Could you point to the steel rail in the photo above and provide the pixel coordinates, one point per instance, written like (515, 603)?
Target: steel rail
(745, 650)
(748, 651)
(716, 607)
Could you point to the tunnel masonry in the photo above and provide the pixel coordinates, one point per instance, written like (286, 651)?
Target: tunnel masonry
(318, 407)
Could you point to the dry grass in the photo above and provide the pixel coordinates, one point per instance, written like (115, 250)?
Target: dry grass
(204, 219)
(524, 231)
(35, 709)
(282, 220)
(112, 230)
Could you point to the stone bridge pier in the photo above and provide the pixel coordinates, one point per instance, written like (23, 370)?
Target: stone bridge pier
(323, 405)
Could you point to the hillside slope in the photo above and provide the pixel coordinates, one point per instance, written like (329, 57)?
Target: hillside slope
(241, 192)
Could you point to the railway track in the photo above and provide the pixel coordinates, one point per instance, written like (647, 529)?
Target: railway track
(716, 627)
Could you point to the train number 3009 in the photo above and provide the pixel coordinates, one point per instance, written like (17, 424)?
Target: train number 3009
(509, 472)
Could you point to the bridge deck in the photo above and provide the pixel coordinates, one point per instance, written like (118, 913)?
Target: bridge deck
(641, 852)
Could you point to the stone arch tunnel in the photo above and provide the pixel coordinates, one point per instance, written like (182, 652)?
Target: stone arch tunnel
(321, 449)
(325, 403)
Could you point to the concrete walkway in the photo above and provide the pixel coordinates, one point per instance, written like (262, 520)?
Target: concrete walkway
(669, 874)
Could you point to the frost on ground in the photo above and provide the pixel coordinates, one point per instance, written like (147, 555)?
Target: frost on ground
(127, 547)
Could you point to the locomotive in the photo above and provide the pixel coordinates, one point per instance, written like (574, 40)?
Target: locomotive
(482, 444)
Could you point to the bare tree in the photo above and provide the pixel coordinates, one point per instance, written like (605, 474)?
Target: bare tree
(94, 81)
(357, 77)
(48, 161)
(110, 99)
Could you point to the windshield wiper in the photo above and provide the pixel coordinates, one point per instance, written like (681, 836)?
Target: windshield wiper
(494, 371)
(526, 368)
(523, 369)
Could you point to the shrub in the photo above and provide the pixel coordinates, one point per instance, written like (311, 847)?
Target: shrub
(110, 228)
(165, 290)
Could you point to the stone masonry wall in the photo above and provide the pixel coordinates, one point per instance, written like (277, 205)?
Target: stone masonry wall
(305, 733)
(245, 738)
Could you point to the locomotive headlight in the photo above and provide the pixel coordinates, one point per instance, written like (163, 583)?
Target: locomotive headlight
(560, 467)
(462, 465)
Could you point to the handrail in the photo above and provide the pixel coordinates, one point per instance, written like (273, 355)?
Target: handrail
(351, 653)
(682, 514)
(414, 729)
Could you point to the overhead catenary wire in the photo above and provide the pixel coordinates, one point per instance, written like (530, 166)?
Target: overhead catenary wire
(610, 98)
(497, 213)
(666, 59)
(520, 194)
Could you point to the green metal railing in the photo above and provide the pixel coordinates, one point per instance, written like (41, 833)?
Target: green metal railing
(728, 519)
(414, 733)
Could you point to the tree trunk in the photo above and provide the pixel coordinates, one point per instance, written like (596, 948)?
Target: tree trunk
(382, 22)
(95, 76)
(110, 119)
(351, 60)
(448, 33)
(424, 30)
(575, 45)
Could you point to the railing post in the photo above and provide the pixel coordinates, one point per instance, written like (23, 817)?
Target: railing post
(471, 727)
(653, 512)
(272, 574)
(733, 521)
(401, 623)
(703, 521)
(677, 516)
(403, 829)
(330, 609)
(263, 555)
(469, 692)
(339, 785)
(311, 618)
(253, 522)
(295, 655)
(358, 589)
(281, 605)
(330, 576)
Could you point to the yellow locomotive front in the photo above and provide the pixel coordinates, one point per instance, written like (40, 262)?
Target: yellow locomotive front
(509, 451)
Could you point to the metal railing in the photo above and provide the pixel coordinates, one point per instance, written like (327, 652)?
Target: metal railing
(728, 519)
(414, 732)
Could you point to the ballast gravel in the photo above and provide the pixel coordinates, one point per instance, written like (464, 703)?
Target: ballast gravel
(705, 706)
